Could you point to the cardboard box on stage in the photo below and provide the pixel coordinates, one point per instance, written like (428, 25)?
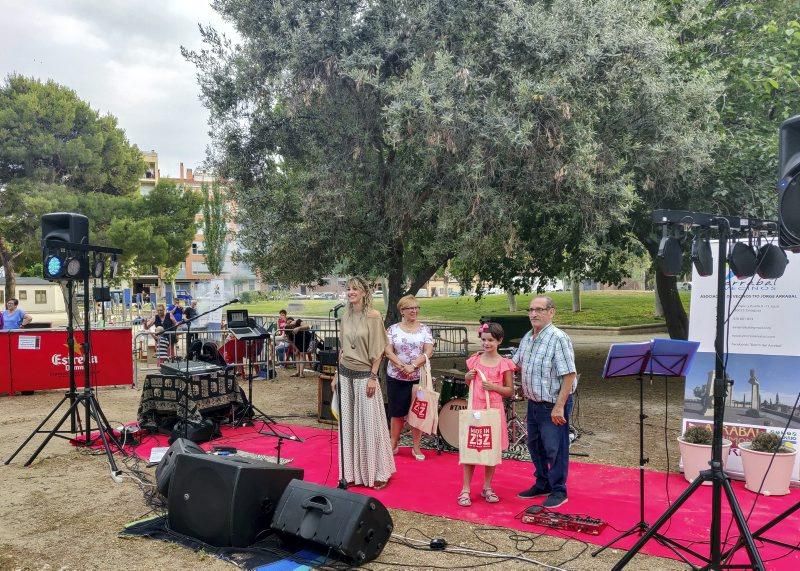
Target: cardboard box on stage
(39, 359)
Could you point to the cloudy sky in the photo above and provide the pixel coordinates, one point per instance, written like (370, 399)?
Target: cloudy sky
(123, 58)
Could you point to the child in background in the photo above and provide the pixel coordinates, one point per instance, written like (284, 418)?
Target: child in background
(499, 384)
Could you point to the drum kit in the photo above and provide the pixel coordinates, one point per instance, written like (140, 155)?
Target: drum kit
(453, 391)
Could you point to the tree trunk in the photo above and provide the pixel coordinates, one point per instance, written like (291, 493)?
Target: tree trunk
(8, 266)
(394, 281)
(77, 308)
(512, 302)
(674, 314)
(659, 309)
(667, 290)
(576, 294)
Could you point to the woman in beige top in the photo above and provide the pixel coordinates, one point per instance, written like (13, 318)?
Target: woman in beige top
(367, 449)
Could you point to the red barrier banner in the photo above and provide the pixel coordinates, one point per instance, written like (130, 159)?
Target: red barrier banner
(5, 363)
(39, 359)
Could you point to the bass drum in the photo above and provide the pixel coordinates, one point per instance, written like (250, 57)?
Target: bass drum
(448, 421)
(452, 389)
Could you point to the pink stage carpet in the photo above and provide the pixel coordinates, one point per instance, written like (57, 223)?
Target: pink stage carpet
(607, 492)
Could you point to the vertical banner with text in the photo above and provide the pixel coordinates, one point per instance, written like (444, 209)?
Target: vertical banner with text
(762, 356)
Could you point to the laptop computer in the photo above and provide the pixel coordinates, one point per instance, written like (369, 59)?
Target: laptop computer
(238, 324)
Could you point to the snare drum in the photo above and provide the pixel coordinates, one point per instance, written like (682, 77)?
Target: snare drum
(448, 420)
(452, 389)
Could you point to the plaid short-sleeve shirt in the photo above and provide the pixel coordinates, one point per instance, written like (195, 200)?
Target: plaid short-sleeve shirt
(544, 359)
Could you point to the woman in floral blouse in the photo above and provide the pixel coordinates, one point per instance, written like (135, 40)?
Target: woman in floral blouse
(409, 342)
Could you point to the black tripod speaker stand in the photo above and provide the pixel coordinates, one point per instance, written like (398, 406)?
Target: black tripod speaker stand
(719, 480)
(759, 533)
(662, 357)
(86, 397)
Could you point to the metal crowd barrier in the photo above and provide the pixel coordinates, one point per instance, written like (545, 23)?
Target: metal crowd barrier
(277, 351)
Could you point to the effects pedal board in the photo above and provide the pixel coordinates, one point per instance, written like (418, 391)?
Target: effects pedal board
(581, 523)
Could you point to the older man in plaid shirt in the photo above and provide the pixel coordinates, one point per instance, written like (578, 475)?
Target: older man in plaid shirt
(547, 364)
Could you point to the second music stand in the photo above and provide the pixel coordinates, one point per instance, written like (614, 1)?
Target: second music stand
(663, 357)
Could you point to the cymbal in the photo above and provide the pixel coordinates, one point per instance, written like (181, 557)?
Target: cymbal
(451, 372)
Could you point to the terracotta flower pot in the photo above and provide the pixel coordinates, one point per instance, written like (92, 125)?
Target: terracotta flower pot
(755, 466)
(696, 458)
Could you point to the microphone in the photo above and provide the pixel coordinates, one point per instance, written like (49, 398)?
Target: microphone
(338, 306)
(234, 300)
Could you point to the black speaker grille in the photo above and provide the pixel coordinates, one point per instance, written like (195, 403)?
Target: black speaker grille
(789, 212)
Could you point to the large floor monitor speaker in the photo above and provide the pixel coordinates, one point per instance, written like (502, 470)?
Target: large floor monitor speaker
(356, 526)
(166, 467)
(225, 501)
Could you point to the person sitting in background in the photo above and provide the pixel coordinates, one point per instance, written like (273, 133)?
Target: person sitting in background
(302, 338)
(282, 346)
(14, 317)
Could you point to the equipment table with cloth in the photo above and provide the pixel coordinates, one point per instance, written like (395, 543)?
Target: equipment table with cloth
(203, 390)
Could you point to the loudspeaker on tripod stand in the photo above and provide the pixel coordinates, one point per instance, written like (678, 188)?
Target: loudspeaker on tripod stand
(356, 526)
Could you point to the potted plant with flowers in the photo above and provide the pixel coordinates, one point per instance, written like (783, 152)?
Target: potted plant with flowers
(695, 446)
(769, 460)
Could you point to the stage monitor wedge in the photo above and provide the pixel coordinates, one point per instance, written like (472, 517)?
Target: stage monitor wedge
(166, 467)
(225, 501)
(357, 527)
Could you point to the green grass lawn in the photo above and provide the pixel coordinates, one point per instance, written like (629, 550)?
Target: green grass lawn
(609, 309)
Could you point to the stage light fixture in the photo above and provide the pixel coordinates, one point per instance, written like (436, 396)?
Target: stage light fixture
(112, 268)
(75, 267)
(54, 266)
(670, 253)
(771, 262)
(742, 260)
(99, 267)
(702, 258)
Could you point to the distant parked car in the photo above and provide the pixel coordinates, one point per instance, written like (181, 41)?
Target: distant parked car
(377, 295)
(687, 286)
(299, 296)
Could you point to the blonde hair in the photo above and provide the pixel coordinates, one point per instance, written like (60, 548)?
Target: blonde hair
(357, 282)
(405, 301)
(161, 306)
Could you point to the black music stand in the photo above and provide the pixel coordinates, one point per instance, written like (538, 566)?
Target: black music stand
(663, 357)
(239, 327)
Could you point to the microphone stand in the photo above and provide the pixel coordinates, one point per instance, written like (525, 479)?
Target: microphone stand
(187, 376)
(342, 480)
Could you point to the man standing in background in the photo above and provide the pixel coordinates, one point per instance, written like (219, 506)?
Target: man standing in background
(546, 360)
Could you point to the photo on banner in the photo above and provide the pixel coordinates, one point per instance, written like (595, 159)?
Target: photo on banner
(762, 355)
